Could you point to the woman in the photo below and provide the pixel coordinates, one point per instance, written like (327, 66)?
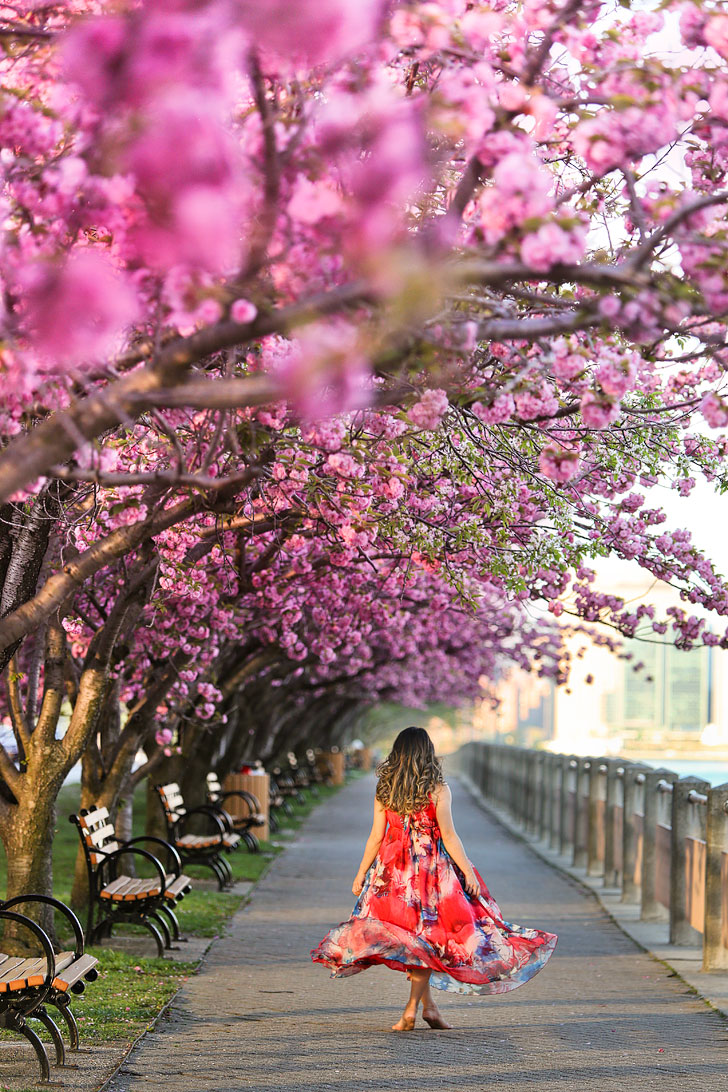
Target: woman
(421, 907)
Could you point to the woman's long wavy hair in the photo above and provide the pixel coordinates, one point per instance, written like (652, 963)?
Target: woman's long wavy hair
(409, 773)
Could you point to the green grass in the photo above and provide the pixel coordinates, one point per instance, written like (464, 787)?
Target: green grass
(128, 994)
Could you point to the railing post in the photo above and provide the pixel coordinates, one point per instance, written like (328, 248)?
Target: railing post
(566, 828)
(541, 793)
(652, 909)
(681, 931)
(633, 781)
(715, 944)
(581, 814)
(547, 788)
(611, 803)
(594, 867)
(526, 795)
(532, 773)
(487, 762)
(556, 781)
(513, 792)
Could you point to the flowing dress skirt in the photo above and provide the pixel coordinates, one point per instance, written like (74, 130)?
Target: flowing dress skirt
(413, 911)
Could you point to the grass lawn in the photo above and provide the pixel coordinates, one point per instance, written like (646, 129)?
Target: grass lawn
(131, 990)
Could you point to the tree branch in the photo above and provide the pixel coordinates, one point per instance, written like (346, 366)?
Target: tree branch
(54, 441)
(72, 576)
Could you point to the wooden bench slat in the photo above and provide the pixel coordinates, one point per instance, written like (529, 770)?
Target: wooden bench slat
(102, 834)
(93, 818)
(10, 965)
(198, 841)
(75, 971)
(128, 889)
(175, 887)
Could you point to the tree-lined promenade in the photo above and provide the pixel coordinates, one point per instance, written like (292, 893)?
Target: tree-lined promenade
(333, 338)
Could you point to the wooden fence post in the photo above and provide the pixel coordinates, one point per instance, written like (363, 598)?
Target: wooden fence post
(581, 814)
(557, 787)
(715, 930)
(611, 803)
(594, 866)
(566, 824)
(633, 784)
(681, 931)
(652, 909)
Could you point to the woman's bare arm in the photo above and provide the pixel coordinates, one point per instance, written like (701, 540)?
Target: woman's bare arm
(451, 841)
(371, 849)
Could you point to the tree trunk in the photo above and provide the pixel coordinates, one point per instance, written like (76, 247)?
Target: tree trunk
(27, 834)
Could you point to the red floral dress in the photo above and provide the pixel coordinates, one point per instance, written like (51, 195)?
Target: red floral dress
(413, 911)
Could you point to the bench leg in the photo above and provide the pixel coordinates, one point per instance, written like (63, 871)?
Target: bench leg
(20, 1025)
(148, 924)
(273, 822)
(160, 921)
(251, 841)
(172, 917)
(227, 870)
(45, 1019)
(63, 1004)
(219, 872)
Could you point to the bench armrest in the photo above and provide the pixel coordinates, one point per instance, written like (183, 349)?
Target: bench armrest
(58, 905)
(108, 857)
(42, 936)
(210, 812)
(174, 855)
(252, 801)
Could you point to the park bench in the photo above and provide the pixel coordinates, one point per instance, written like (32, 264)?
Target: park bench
(276, 803)
(315, 775)
(29, 985)
(287, 787)
(237, 824)
(300, 774)
(207, 849)
(115, 896)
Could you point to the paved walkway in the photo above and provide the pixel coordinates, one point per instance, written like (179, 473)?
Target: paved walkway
(601, 1017)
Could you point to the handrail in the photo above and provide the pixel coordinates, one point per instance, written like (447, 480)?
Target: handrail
(653, 836)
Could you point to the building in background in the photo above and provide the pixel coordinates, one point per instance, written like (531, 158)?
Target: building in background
(652, 700)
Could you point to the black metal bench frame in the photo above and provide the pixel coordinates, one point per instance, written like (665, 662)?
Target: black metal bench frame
(19, 1005)
(237, 824)
(154, 911)
(211, 855)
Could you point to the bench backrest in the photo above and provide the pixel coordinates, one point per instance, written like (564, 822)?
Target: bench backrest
(172, 802)
(97, 833)
(214, 788)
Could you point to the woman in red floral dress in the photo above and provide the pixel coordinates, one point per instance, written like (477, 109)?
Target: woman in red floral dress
(422, 907)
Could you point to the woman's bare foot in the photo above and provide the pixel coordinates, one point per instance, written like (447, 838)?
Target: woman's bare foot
(405, 1023)
(433, 1017)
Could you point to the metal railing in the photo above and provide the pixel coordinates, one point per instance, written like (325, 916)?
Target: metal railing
(656, 839)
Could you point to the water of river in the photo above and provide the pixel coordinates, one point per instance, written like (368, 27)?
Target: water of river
(714, 772)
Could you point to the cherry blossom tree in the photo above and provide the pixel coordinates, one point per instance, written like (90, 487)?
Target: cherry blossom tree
(334, 336)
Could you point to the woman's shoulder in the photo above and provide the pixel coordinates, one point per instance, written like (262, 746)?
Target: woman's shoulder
(440, 792)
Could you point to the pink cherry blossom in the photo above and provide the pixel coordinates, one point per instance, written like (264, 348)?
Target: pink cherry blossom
(78, 310)
(430, 410)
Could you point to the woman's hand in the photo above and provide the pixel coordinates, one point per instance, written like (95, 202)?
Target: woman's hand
(358, 884)
(471, 884)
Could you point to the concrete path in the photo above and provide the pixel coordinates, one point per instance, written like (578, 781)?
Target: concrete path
(601, 1017)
